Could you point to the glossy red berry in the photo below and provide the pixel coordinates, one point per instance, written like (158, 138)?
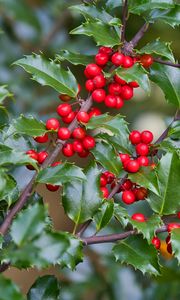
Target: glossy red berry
(146, 137)
(135, 137)
(172, 226)
(110, 101)
(106, 50)
(94, 112)
(52, 188)
(42, 139)
(69, 118)
(132, 166)
(89, 142)
(101, 59)
(103, 180)
(124, 157)
(156, 242)
(114, 88)
(64, 98)
(142, 149)
(117, 59)
(104, 191)
(52, 124)
(84, 153)
(64, 109)
(68, 150)
(64, 133)
(138, 217)
(128, 197)
(99, 81)
(119, 102)
(34, 155)
(119, 80)
(127, 185)
(127, 92)
(140, 193)
(99, 95)
(143, 161)
(110, 176)
(146, 60)
(79, 133)
(77, 146)
(42, 157)
(83, 117)
(128, 62)
(133, 84)
(92, 70)
(89, 85)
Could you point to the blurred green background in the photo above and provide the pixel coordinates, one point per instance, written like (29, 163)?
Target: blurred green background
(41, 25)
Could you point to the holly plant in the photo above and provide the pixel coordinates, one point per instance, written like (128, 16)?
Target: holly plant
(123, 169)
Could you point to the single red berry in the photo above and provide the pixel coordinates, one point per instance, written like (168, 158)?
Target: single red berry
(110, 101)
(52, 124)
(103, 180)
(172, 226)
(106, 50)
(132, 166)
(127, 185)
(138, 217)
(55, 164)
(135, 137)
(64, 133)
(34, 155)
(146, 60)
(69, 118)
(178, 214)
(119, 80)
(169, 248)
(156, 242)
(64, 98)
(88, 142)
(110, 176)
(128, 197)
(99, 81)
(41, 139)
(89, 85)
(117, 59)
(93, 70)
(79, 133)
(99, 95)
(87, 75)
(140, 193)
(83, 117)
(42, 156)
(142, 149)
(94, 112)
(133, 84)
(64, 109)
(114, 88)
(52, 188)
(127, 92)
(143, 161)
(146, 137)
(124, 157)
(77, 146)
(101, 59)
(104, 191)
(128, 62)
(68, 150)
(84, 153)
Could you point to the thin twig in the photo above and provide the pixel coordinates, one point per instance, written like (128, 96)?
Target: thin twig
(124, 19)
(168, 63)
(139, 35)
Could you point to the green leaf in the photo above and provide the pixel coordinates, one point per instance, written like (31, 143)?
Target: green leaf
(73, 255)
(82, 199)
(104, 215)
(60, 174)
(105, 154)
(120, 213)
(135, 251)
(111, 4)
(46, 288)
(26, 126)
(139, 7)
(102, 33)
(28, 224)
(174, 131)
(48, 73)
(75, 58)
(4, 119)
(136, 73)
(8, 187)
(167, 78)
(169, 16)
(158, 48)
(4, 93)
(175, 242)
(147, 228)
(168, 181)
(9, 290)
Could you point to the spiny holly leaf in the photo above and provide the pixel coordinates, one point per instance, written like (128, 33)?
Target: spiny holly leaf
(147, 228)
(26, 126)
(4, 120)
(4, 93)
(167, 78)
(60, 174)
(49, 73)
(104, 215)
(139, 7)
(75, 58)
(135, 251)
(175, 242)
(120, 213)
(28, 224)
(102, 33)
(174, 131)
(136, 73)
(114, 3)
(8, 187)
(105, 154)
(82, 199)
(9, 290)
(46, 288)
(169, 16)
(168, 174)
(158, 48)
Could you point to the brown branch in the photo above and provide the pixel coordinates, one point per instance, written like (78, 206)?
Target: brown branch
(124, 19)
(139, 35)
(168, 63)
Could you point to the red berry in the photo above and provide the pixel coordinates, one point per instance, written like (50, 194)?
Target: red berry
(103, 180)
(78, 133)
(101, 59)
(64, 109)
(133, 84)
(119, 102)
(114, 89)
(83, 153)
(104, 191)
(94, 112)
(117, 59)
(127, 185)
(99, 81)
(69, 118)
(52, 188)
(142, 149)
(124, 157)
(34, 155)
(92, 70)
(156, 242)
(64, 98)
(99, 95)
(178, 215)
(146, 60)
(146, 137)
(128, 197)
(52, 124)
(42, 156)
(172, 226)
(86, 74)
(119, 80)
(138, 217)
(143, 161)
(89, 142)
(135, 137)
(42, 139)
(127, 92)
(77, 146)
(83, 117)
(79, 89)
(64, 133)
(140, 193)
(106, 50)
(110, 176)
(132, 166)
(110, 101)
(68, 150)
(89, 85)
(55, 164)
(128, 62)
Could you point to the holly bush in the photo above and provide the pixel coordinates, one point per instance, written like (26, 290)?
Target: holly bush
(122, 170)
